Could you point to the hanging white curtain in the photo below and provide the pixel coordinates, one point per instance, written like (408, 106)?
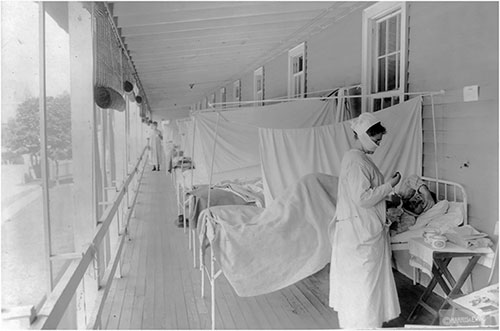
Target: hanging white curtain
(289, 154)
(237, 150)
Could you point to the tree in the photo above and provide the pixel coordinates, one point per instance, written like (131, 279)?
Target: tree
(23, 131)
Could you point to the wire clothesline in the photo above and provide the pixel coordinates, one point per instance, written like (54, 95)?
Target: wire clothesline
(427, 93)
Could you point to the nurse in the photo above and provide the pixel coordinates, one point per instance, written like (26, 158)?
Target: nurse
(156, 149)
(362, 287)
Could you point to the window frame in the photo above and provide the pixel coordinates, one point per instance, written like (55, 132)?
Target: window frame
(237, 91)
(223, 97)
(212, 99)
(371, 16)
(258, 95)
(297, 52)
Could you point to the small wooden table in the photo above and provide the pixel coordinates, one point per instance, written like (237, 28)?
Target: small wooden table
(441, 258)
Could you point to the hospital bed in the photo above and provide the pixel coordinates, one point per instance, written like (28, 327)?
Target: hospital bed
(454, 215)
(444, 190)
(261, 250)
(246, 192)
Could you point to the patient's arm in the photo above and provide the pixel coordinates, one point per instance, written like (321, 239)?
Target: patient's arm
(426, 195)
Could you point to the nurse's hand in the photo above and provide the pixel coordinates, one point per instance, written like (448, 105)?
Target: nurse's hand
(395, 179)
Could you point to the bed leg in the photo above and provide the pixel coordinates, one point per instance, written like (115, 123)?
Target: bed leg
(193, 234)
(202, 273)
(212, 283)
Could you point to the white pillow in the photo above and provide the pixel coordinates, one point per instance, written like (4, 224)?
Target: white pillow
(457, 208)
(446, 222)
(437, 210)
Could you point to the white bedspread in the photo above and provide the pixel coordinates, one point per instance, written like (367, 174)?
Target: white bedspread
(264, 250)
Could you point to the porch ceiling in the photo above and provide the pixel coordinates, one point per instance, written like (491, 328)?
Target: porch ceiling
(184, 51)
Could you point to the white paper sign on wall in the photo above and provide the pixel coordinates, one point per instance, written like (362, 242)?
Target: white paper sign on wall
(471, 93)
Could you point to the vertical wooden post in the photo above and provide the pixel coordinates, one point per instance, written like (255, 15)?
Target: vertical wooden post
(83, 139)
(43, 147)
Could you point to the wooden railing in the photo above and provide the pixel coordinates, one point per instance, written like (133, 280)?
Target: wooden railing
(56, 304)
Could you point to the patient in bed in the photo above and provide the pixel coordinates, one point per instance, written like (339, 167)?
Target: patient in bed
(412, 199)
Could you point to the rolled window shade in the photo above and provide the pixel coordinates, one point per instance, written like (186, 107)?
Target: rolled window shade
(108, 98)
(128, 87)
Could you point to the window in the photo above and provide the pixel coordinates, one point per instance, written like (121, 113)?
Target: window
(223, 97)
(212, 100)
(237, 91)
(258, 85)
(384, 55)
(25, 266)
(297, 71)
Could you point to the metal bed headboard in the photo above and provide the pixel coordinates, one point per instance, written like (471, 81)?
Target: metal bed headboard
(448, 190)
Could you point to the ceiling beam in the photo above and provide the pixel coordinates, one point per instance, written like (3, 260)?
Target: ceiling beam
(227, 23)
(244, 11)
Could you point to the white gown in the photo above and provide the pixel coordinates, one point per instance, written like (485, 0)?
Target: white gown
(362, 287)
(156, 148)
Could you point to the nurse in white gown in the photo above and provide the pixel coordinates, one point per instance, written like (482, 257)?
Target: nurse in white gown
(156, 148)
(362, 287)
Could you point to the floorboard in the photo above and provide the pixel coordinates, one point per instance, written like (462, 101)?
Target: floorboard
(160, 288)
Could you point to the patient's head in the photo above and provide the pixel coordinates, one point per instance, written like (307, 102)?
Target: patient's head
(414, 205)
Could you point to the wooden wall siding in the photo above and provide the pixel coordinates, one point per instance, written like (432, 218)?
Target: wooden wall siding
(276, 76)
(452, 45)
(334, 55)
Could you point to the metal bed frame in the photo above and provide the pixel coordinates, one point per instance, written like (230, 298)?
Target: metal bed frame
(444, 190)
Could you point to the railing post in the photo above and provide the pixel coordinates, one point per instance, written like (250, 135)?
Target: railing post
(82, 51)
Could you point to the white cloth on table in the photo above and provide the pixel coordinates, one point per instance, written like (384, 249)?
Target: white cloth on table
(362, 287)
(421, 253)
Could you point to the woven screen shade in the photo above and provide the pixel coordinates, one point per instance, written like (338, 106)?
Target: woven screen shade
(127, 75)
(108, 51)
(108, 98)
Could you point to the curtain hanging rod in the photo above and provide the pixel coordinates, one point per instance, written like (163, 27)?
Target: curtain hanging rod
(332, 90)
(427, 93)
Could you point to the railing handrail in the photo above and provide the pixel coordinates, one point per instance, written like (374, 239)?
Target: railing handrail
(58, 300)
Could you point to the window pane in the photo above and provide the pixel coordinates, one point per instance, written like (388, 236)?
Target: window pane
(391, 72)
(381, 37)
(376, 104)
(393, 27)
(301, 63)
(59, 149)
(387, 103)
(381, 75)
(24, 260)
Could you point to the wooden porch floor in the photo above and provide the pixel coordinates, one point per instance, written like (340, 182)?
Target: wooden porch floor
(160, 289)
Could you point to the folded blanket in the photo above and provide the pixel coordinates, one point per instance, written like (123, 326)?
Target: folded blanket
(264, 250)
(218, 197)
(246, 193)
